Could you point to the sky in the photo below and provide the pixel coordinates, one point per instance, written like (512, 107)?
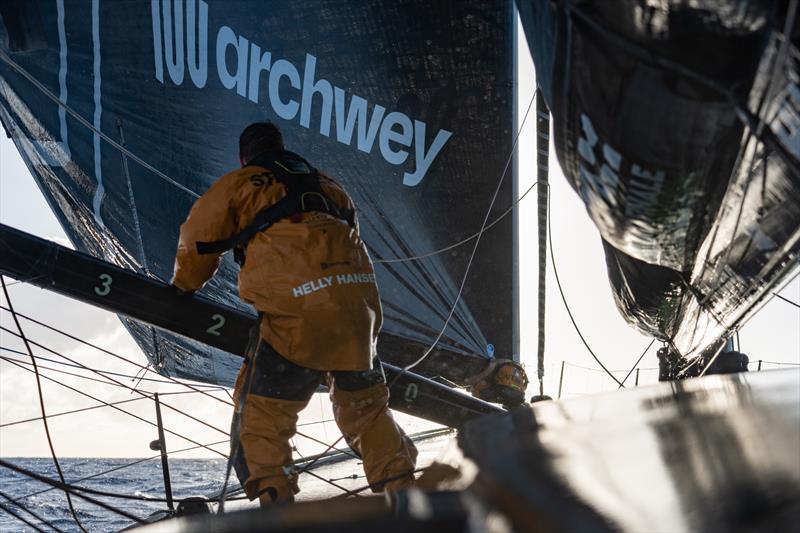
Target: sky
(772, 335)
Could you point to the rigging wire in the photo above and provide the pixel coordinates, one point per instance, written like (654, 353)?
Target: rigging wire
(406, 368)
(776, 363)
(114, 382)
(474, 249)
(463, 241)
(21, 519)
(30, 512)
(77, 116)
(147, 395)
(84, 409)
(566, 305)
(787, 300)
(123, 150)
(377, 483)
(118, 374)
(120, 467)
(128, 387)
(70, 489)
(126, 412)
(58, 370)
(41, 401)
(134, 363)
(636, 364)
(218, 429)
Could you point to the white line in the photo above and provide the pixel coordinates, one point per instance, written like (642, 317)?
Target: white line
(62, 76)
(98, 111)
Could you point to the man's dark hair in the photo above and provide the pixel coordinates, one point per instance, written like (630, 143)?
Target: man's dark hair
(259, 138)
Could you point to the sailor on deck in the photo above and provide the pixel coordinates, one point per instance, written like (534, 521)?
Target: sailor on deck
(307, 272)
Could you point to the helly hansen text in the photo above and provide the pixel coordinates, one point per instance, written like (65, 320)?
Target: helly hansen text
(326, 281)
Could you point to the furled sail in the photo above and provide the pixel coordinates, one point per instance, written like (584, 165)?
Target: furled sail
(126, 111)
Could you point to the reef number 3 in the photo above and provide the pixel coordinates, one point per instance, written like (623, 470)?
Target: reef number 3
(219, 321)
(105, 285)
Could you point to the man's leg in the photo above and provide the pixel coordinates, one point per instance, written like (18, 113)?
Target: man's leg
(278, 391)
(360, 406)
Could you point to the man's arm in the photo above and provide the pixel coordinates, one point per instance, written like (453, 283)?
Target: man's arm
(340, 197)
(210, 219)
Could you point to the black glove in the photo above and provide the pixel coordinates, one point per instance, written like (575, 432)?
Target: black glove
(181, 292)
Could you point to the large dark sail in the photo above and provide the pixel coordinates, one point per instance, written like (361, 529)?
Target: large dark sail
(678, 124)
(126, 111)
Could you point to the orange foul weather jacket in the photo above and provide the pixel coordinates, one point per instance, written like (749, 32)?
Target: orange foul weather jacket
(310, 274)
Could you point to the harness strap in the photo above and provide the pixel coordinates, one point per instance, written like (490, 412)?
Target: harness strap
(303, 194)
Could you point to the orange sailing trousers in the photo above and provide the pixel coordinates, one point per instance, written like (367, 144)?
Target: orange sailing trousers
(278, 390)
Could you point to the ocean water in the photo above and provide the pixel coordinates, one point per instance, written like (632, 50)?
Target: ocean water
(190, 477)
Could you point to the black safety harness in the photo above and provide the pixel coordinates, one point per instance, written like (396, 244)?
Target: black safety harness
(303, 194)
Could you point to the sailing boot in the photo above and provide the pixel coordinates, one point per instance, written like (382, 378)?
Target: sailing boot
(363, 417)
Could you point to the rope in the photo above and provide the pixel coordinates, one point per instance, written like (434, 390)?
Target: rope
(569, 311)
(472, 255)
(542, 177)
(636, 363)
(41, 401)
(462, 241)
(786, 300)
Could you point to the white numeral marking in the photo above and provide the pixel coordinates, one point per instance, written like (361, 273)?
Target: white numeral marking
(105, 287)
(219, 322)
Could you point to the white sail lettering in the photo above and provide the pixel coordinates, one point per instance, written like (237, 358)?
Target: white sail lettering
(399, 136)
(280, 69)
(321, 87)
(258, 62)
(404, 137)
(356, 114)
(197, 42)
(225, 38)
(425, 157)
(173, 47)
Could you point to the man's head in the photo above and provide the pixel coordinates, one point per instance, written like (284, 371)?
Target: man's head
(259, 138)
